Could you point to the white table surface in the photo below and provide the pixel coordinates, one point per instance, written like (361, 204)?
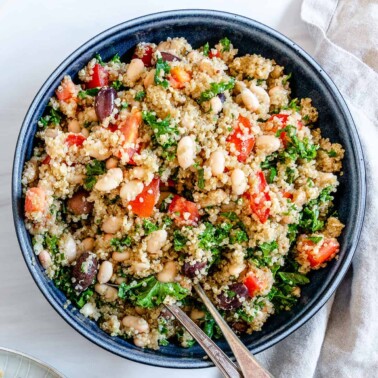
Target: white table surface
(35, 36)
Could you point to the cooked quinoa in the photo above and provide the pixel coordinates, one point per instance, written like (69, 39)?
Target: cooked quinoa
(181, 166)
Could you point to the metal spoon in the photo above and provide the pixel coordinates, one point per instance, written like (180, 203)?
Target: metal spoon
(247, 362)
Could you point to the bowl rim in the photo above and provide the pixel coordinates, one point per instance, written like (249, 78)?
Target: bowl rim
(282, 332)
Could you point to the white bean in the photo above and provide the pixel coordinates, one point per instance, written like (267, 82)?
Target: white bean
(111, 163)
(45, 259)
(85, 132)
(88, 309)
(235, 269)
(217, 162)
(68, 246)
(88, 244)
(299, 197)
(120, 256)
(238, 181)
(250, 100)
(139, 267)
(111, 180)
(139, 173)
(131, 189)
(112, 224)
(156, 240)
(105, 272)
(109, 293)
(168, 273)
(74, 126)
(267, 143)
(135, 70)
(149, 79)
(186, 151)
(97, 150)
(262, 96)
(135, 323)
(216, 105)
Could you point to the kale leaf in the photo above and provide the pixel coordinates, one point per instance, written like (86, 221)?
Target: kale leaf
(162, 68)
(215, 89)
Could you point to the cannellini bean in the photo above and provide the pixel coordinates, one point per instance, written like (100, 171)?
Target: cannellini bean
(136, 323)
(238, 181)
(138, 172)
(111, 163)
(299, 197)
(267, 143)
(45, 259)
(278, 96)
(262, 96)
(216, 105)
(109, 293)
(149, 79)
(85, 132)
(156, 240)
(88, 244)
(131, 189)
(111, 180)
(90, 115)
(105, 272)
(235, 269)
(112, 224)
(74, 126)
(98, 151)
(217, 162)
(186, 151)
(88, 309)
(120, 256)
(68, 246)
(250, 100)
(135, 69)
(108, 237)
(196, 314)
(139, 267)
(168, 273)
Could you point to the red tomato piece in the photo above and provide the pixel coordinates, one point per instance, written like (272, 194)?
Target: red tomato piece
(329, 248)
(66, 90)
(75, 140)
(252, 283)
(178, 77)
(100, 77)
(287, 195)
(112, 127)
(144, 203)
(243, 141)
(46, 160)
(184, 212)
(144, 53)
(213, 53)
(258, 200)
(130, 129)
(35, 200)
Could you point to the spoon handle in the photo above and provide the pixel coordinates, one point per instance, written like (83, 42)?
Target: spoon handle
(220, 359)
(247, 362)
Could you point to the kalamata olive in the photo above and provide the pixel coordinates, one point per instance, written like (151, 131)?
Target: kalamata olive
(84, 271)
(232, 298)
(104, 102)
(239, 327)
(222, 97)
(168, 57)
(78, 203)
(192, 270)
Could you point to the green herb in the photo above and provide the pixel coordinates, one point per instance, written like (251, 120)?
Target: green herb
(306, 118)
(165, 203)
(225, 42)
(90, 182)
(206, 49)
(201, 178)
(293, 105)
(51, 243)
(244, 316)
(167, 221)
(99, 59)
(162, 69)
(238, 236)
(215, 89)
(291, 175)
(88, 92)
(116, 58)
(293, 278)
(332, 153)
(93, 169)
(231, 215)
(259, 81)
(269, 162)
(124, 105)
(119, 244)
(292, 232)
(315, 239)
(286, 78)
(231, 294)
(149, 292)
(179, 241)
(261, 255)
(54, 116)
(149, 226)
(272, 173)
(208, 326)
(118, 85)
(140, 96)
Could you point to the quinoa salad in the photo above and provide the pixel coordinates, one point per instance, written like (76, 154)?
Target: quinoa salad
(181, 166)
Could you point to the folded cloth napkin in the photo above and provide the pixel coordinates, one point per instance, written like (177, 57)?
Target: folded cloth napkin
(342, 339)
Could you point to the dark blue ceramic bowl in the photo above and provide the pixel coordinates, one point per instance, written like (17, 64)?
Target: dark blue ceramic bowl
(309, 80)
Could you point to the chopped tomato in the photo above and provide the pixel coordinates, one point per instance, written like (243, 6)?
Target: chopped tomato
(213, 53)
(287, 195)
(299, 125)
(144, 52)
(184, 212)
(46, 160)
(279, 121)
(178, 77)
(252, 283)
(75, 140)
(242, 139)
(258, 200)
(100, 77)
(35, 200)
(327, 250)
(66, 89)
(129, 128)
(112, 127)
(144, 203)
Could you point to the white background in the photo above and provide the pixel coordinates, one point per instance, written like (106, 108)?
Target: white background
(35, 36)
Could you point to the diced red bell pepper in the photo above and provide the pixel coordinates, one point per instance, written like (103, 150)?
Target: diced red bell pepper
(287, 195)
(75, 140)
(242, 141)
(329, 248)
(46, 160)
(144, 53)
(258, 200)
(183, 212)
(283, 121)
(144, 203)
(178, 77)
(100, 77)
(35, 200)
(252, 283)
(66, 90)
(214, 53)
(130, 128)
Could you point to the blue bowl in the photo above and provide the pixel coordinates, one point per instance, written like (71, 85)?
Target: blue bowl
(309, 80)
